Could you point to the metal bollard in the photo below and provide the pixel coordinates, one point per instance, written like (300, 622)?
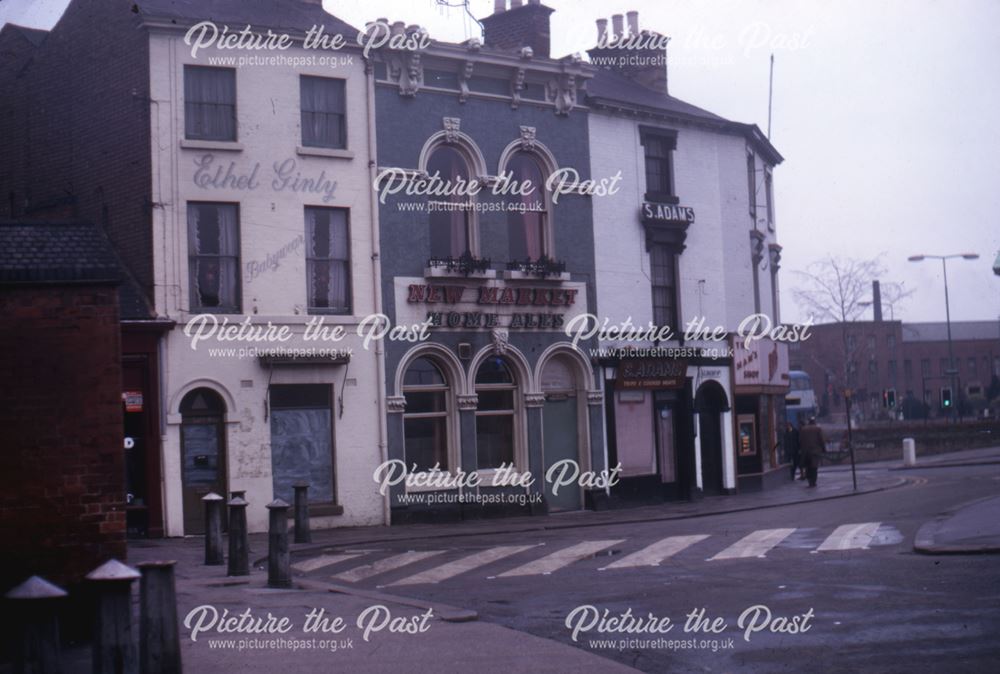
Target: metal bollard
(213, 529)
(909, 452)
(239, 548)
(38, 648)
(278, 566)
(159, 638)
(302, 533)
(114, 650)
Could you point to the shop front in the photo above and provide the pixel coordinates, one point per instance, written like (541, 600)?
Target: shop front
(760, 381)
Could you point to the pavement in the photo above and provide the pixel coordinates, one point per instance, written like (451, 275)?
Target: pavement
(383, 632)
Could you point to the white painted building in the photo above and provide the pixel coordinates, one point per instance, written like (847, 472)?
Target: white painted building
(690, 235)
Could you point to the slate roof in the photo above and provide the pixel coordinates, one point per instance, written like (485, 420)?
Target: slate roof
(33, 35)
(960, 330)
(291, 16)
(56, 252)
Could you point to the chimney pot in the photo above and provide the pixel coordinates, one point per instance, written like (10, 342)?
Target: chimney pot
(633, 22)
(534, 2)
(617, 23)
(602, 29)
(499, 6)
(515, 3)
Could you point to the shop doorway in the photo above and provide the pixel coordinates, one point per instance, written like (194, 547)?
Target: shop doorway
(710, 403)
(672, 418)
(561, 428)
(203, 454)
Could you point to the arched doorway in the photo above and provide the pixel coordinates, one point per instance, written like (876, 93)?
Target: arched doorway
(561, 427)
(203, 453)
(710, 402)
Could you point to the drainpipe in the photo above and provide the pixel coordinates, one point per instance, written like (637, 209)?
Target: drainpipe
(376, 276)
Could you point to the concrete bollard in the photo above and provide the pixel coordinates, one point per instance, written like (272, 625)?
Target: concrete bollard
(239, 547)
(279, 572)
(213, 529)
(38, 649)
(238, 493)
(302, 533)
(159, 636)
(909, 452)
(114, 648)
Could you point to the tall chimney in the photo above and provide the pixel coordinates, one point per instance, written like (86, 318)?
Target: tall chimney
(602, 30)
(523, 25)
(499, 6)
(616, 21)
(633, 22)
(877, 301)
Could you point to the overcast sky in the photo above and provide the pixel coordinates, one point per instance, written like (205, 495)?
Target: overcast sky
(885, 111)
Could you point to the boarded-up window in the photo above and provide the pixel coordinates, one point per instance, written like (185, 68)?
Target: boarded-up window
(302, 440)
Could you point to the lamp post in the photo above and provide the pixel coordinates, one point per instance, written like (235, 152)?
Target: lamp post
(947, 311)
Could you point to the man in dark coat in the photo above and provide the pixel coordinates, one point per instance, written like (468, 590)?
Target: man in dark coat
(811, 446)
(792, 447)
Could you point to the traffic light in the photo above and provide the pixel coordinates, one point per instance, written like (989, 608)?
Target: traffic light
(946, 397)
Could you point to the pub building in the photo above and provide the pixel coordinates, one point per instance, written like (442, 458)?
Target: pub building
(497, 277)
(689, 237)
(238, 194)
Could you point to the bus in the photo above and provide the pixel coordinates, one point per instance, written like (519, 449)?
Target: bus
(800, 401)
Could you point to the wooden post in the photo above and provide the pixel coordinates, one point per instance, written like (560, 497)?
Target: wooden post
(278, 564)
(114, 649)
(239, 549)
(38, 649)
(159, 637)
(302, 533)
(213, 529)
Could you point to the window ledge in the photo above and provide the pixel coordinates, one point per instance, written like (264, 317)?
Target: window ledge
(515, 275)
(221, 145)
(328, 152)
(440, 272)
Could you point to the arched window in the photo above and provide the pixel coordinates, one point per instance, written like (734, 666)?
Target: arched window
(527, 224)
(496, 388)
(203, 453)
(425, 421)
(451, 217)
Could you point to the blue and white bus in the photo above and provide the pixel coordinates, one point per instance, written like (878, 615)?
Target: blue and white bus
(800, 401)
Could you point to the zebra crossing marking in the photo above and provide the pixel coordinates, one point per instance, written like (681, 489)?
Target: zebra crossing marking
(462, 565)
(653, 554)
(315, 563)
(559, 559)
(384, 565)
(850, 537)
(755, 544)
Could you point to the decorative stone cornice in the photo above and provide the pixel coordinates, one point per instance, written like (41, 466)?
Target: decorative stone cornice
(595, 397)
(534, 399)
(468, 402)
(395, 404)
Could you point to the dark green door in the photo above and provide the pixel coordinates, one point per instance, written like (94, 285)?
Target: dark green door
(560, 438)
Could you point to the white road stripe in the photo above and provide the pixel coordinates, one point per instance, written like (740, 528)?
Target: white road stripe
(319, 562)
(559, 559)
(384, 565)
(462, 565)
(850, 537)
(657, 552)
(755, 544)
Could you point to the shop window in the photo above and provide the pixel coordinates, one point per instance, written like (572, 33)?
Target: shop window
(658, 148)
(209, 103)
(663, 266)
(301, 420)
(451, 217)
(324, 119)
(527, 226)
(328, 260)
(213, 257)
(425, 421)
(496, 414)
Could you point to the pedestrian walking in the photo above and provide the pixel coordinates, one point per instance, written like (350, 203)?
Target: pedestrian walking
(811, 445)
(792, 447)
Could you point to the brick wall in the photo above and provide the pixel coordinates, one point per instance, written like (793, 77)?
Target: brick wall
(61, 456)
(84, 147)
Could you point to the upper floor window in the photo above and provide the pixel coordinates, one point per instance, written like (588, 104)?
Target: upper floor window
(527, 226)
(214, 256)
(769, 196)
(328, 259)
(663, 267)
(324, 118)
(658, 148)
(451, 217)
(209, 103)
(752, 186)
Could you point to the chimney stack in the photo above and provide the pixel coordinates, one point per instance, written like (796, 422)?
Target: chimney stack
(877, 301)
(617, 22)
(523, 25)
(633, 22)
(602, 30)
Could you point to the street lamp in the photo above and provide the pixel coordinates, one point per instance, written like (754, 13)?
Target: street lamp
(947, 311)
